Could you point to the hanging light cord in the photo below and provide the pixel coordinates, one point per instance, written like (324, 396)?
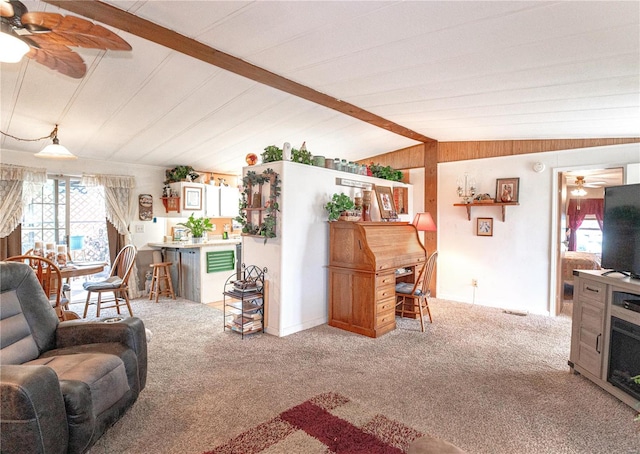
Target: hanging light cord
(52, 135)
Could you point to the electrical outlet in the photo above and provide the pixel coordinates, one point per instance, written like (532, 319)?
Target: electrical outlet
(474, 282)
(140, 228)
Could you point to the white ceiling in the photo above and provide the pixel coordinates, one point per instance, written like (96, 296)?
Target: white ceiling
(452, 71)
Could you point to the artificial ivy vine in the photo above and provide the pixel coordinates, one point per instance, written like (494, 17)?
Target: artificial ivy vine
(267, 228)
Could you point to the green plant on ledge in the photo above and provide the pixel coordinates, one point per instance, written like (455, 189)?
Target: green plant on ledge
(339, 203)
(267, 228)
(302, 156)
(271, 154)
(387, 173)
(198, 226)
(180, 173)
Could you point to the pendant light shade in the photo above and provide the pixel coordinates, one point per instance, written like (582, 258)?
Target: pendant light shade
(12, 48)
(55, 150)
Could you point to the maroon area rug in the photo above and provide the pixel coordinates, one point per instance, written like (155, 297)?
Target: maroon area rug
(324, 424)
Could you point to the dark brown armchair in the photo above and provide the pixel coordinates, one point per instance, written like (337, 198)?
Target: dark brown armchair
(62, 384)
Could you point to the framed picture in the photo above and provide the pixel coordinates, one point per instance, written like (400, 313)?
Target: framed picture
(192, 196)
(507, 189)
(484, 227)
(385, 203)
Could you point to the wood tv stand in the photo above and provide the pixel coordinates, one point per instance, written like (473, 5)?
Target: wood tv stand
(598, 301)
(363, 259)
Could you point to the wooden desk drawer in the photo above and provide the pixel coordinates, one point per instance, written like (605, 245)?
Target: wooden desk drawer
(388, 304)
(385, 318)
(385, 279)
(384, 292)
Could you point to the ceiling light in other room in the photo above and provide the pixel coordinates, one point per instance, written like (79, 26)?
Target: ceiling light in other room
(12, 48)
(55, 150)
(580, 191)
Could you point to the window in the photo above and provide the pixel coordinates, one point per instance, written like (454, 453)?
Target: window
(66, 212)
(589, 236)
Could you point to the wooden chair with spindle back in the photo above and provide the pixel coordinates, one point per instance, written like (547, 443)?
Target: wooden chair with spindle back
(50, 278)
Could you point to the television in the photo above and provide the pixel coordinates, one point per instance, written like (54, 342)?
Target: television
(621, 230)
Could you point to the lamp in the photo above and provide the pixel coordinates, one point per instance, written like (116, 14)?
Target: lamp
(424, 222)
(12, 48)
(580, 191)
(55, 150)
(466, 188)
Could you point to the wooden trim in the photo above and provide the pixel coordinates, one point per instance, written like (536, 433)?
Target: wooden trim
(460, 151)
(405, 158)
(123, 20)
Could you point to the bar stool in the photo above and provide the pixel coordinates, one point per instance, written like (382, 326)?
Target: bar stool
(161, 275)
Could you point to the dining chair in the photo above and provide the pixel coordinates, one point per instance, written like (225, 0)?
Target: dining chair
(50, 278)
(413, 298)
(116, 283)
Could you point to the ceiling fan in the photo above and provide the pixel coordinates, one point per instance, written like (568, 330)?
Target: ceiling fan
(49, 36)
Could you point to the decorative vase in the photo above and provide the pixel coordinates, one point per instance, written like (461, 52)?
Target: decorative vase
(286, 151)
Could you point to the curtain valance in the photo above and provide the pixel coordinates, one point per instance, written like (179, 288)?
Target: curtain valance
(109, 181)
(17, 185)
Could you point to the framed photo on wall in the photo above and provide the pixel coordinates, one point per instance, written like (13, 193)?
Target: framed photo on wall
(507, 189)
(192, 196)
(484, 227)
(385, 203)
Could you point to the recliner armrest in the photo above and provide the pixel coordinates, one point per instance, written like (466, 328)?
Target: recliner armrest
(129, 332)
(33, 416)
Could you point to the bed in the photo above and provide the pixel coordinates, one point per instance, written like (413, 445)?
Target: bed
(574, 260)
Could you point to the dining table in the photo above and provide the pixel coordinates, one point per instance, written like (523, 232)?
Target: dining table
(77, 269)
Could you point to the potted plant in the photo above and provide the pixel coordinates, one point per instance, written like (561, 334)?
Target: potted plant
(271, 154)
(387, 173)
(180, 173)
(198, 227)
(342, 207)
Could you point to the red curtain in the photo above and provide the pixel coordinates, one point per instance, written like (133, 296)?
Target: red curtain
(578, 209)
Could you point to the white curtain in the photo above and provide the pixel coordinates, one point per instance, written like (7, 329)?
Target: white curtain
(17, 186)
(120, 208)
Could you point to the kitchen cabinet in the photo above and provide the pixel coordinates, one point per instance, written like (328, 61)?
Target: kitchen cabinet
(221, 201)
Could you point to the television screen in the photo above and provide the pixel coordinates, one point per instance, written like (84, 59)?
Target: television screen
(621, 229)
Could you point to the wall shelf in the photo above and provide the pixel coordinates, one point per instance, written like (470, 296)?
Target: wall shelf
(503, 205)
(171, 204)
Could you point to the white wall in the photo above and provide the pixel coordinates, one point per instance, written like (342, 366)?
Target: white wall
(514, 266)
(297, 259)
(149, 180)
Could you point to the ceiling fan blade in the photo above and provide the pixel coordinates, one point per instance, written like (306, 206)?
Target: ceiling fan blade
(72, 31)
(6, 9)
(59, 58)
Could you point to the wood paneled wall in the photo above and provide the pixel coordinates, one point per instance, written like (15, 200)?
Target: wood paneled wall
(459, 151)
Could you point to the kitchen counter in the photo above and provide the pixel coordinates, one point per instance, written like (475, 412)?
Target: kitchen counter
(188, 244)
(199, 271)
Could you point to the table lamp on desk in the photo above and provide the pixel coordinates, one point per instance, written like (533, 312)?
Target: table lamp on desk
(424, 223)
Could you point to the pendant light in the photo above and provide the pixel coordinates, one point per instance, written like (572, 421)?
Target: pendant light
(55, 150)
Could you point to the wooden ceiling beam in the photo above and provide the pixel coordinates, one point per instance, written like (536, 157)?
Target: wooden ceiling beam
(123, 20)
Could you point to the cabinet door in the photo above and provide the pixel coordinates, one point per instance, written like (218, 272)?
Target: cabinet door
(590, 337)
(190, 273)
(212, 201)
(229, 201)
(587, 336)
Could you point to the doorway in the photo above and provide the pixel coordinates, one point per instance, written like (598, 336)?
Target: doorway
(579, 236)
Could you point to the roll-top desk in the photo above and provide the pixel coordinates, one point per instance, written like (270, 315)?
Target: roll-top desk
(363, 259)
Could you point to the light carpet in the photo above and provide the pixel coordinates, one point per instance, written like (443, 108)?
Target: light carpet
(481, 379)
